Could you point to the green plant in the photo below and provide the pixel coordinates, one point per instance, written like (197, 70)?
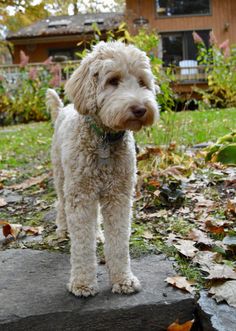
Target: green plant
(220, 63)
(24, 100)
(224, 150)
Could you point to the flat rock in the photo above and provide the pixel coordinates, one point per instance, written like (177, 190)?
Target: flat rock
(33, 296)
(216, 316)
(11, 196)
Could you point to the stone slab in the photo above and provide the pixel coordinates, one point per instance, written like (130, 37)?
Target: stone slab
(215, 316)
(33, 296)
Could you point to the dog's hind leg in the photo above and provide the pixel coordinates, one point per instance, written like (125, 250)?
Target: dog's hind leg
(61, 216)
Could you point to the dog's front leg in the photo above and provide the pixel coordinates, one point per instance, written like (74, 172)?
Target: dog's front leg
(116, 211)
(82, 217)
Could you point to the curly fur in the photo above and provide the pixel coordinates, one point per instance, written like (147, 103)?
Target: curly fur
(111, 83)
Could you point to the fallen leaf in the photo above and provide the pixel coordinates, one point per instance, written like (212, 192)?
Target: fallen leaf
(2, 202)
(29, 182)
(180, 327)
(225, 291)
(147, 235)
(153, 182)
(3, 222)
(214, 228)
(11, 229)
(203, 203)
(149, 151)
(160, 213)
(181, 283)
(206, 258)
(231, 206)
(186, 247)
(157, 193)
(200, 237)
(219, 271)
(33, 230)
(171, 239)
(176, 171)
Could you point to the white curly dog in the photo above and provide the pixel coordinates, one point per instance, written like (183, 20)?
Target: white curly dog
(93, 155)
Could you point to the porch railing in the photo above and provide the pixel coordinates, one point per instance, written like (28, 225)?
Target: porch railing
(188, 75)
(182, 75)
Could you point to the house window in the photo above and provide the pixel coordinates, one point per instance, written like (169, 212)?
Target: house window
(169, 8)
(60, 55)
(179, 46)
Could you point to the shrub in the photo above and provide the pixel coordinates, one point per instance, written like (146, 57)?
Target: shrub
(220, 62)
(23, 95)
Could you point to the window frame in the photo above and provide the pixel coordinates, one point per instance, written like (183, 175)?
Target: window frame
(179, 16)
(181, 33)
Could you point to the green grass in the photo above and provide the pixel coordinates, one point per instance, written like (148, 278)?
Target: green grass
(28, 146)
(25, 146)
(189, 127)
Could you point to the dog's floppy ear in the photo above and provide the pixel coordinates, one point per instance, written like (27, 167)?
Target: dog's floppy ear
(81, 87)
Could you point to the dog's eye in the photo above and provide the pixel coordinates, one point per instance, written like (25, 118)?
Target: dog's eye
(114, 81)
(142, 83)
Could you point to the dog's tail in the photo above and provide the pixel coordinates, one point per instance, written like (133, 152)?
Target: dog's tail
(54, 103)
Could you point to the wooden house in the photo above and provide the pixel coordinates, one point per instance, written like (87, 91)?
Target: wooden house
(60, 36)
(175, 20)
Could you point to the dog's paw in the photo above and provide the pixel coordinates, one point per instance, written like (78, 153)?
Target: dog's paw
(127, 286)
(81, 290)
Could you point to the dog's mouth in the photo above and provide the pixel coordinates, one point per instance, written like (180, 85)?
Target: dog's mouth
(133, 124)
(136, 123)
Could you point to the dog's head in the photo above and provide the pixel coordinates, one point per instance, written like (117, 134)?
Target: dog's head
(115, 82)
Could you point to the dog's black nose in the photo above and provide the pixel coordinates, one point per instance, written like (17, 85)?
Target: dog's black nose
(138, 111)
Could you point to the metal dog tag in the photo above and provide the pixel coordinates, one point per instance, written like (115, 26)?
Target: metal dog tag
(103, 154)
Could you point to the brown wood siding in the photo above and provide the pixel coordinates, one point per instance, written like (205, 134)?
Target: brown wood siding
(39, 52)
(222, 13)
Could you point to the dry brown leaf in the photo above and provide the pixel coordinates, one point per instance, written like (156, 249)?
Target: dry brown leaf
(147, 235)
(225, 292)
(206, 258)
(219, 271)
(181, 283)
(160, 213)
(157, 193)
(33, 230)
(214, 228)
(2, 202)
(176, 171)
(171, 239)
(180, 327)
(149, 151)
(3, 222)
(154, 182)
(11, 229)
(29, 182)
(186, 247)
(200, 237)
(154, 150)
(231, 206)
